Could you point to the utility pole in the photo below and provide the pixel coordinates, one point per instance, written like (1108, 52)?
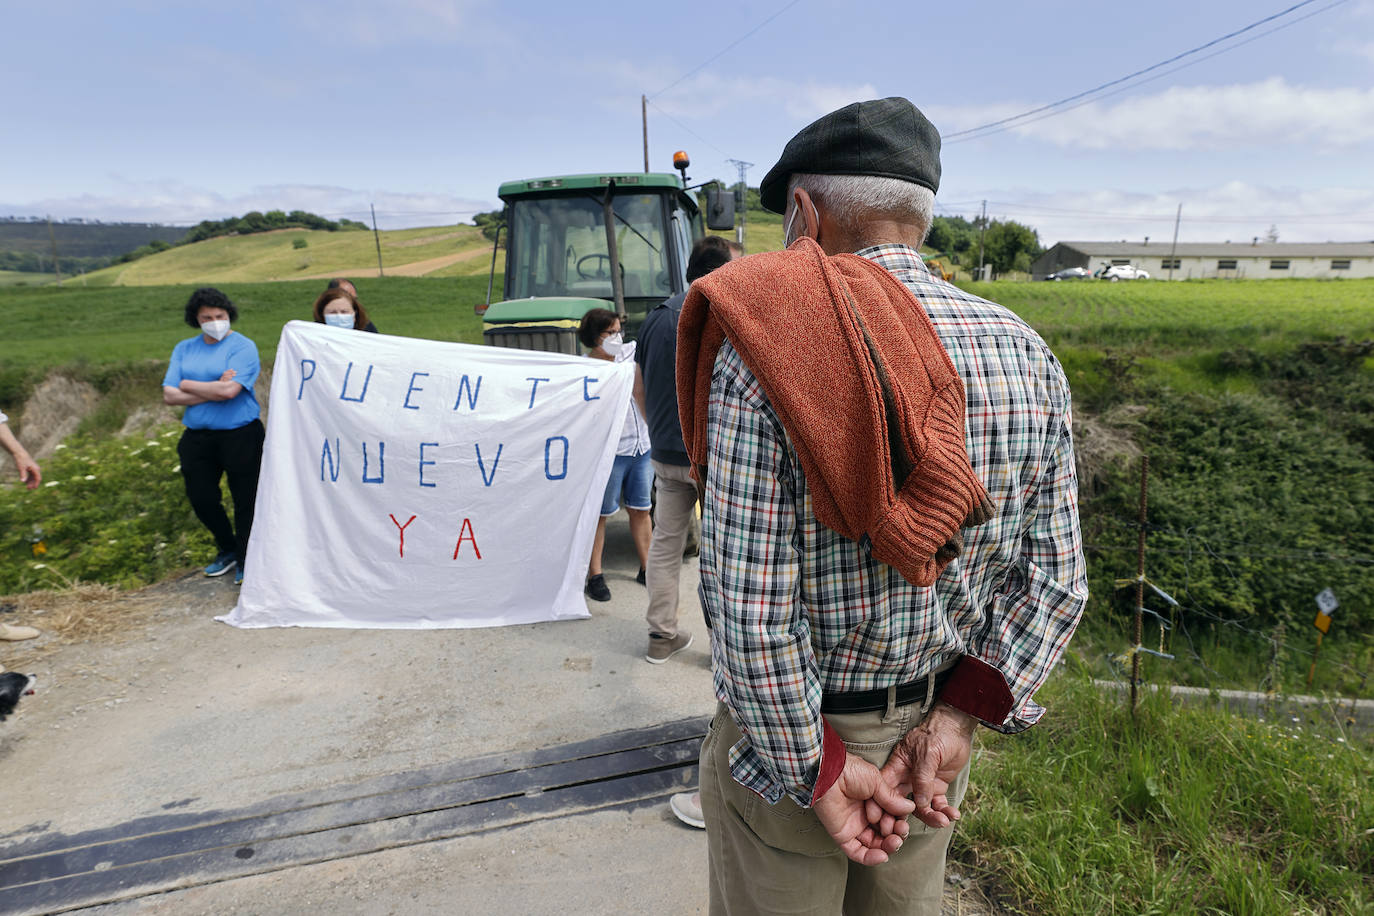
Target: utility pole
(982, 228)
(57, 269)
(644, 119)
(378, 239)
(742, 202)
(1174, 247)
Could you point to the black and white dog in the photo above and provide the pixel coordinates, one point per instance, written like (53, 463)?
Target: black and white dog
(12, 687)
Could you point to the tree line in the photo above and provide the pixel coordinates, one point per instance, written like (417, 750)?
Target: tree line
(1007, 244)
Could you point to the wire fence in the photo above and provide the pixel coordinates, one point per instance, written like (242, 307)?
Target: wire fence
(1176, 625)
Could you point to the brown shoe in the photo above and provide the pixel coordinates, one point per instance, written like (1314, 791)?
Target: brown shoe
(662, 648)
(14, 633)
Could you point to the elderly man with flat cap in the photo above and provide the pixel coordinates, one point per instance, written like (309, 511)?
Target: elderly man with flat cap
(890, 548)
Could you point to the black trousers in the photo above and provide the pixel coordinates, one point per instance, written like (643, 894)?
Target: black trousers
(206, 456)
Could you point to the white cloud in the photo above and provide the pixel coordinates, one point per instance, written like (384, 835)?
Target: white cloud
(174, 203)
(1267, 113)
(1236, 211)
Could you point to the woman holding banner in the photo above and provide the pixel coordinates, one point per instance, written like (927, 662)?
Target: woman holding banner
(632, 475)
(212, 376)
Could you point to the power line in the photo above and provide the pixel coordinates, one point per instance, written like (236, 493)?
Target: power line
(689, 130)
(732, 44)
(1004, 123)
(1148, 79)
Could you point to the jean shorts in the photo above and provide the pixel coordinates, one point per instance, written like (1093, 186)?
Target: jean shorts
(634, 475)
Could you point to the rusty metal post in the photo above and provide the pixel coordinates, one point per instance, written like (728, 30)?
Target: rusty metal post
(1139, 585)
(608, 214)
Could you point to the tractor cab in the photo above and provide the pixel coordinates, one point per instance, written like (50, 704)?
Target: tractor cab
(578, 242)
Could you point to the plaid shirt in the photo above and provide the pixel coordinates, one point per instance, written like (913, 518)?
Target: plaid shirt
(798, 611)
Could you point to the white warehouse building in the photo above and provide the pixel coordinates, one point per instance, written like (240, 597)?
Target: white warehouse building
(1209, 260)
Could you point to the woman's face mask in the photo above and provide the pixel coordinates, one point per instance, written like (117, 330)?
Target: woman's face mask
(339, 319)
(613, 344)
(217, 329)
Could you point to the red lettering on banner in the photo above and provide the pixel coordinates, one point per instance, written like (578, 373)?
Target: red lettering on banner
(467, 528)
(402, 529)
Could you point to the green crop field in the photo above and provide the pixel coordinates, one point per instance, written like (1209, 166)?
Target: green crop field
(24, 278)
(1180, 332)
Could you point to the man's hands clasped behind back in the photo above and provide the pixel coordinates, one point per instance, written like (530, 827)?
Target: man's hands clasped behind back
(866, 810)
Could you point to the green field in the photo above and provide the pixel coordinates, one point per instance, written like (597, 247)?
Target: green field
(106, 326)
(24, 278)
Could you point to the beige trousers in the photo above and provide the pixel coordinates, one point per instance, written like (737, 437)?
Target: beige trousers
(778, 859)
(675, 499)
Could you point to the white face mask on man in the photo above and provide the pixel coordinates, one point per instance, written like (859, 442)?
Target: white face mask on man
(787, 238)
(216, 329)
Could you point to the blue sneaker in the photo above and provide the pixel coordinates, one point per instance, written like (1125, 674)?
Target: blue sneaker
(238, 576)
(221, 565)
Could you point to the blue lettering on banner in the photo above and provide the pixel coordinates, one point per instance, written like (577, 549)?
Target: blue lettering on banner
(548, 469)
(413, 376)
(381, 463)
(343, 393)
(326, 454)
(494, 462)
(305, 378)
(533, 388)
(472, 391)
(423, 462)
(587, 395)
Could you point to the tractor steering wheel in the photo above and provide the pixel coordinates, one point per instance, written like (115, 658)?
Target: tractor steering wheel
(601, 272)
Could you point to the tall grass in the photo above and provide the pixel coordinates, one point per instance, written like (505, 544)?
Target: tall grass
(1173, 811)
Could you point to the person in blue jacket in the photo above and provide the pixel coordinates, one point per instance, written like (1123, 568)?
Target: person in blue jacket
(212, 376)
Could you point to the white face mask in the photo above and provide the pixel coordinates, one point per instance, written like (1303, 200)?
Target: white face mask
(613, 344)
(335, 320)
(216, 329)
(787, 238)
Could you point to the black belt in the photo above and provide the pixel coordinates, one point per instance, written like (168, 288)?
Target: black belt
(872, 700)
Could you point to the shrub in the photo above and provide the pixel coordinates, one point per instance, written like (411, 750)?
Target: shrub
(299, 243)
(110, 510)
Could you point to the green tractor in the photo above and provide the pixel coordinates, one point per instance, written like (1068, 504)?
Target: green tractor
(579, 242)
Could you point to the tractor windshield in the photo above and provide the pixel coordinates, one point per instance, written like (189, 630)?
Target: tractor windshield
(558, 247)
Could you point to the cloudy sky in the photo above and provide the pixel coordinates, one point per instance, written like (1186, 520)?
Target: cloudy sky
(177, 111)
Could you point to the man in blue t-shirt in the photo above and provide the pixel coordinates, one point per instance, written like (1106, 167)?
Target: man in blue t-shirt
(212, 376)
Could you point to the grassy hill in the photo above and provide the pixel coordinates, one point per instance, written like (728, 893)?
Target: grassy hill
(270, 257)
(442, 251)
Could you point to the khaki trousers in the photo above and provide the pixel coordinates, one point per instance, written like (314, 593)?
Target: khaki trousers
(675, 499)
(778, 859)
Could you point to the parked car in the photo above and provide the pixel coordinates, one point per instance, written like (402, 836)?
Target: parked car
(1122, 272)
(1070, 273)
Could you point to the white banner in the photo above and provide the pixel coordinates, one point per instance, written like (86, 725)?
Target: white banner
(416, 484)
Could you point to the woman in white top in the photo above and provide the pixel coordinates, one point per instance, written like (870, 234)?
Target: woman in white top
(632, 475)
